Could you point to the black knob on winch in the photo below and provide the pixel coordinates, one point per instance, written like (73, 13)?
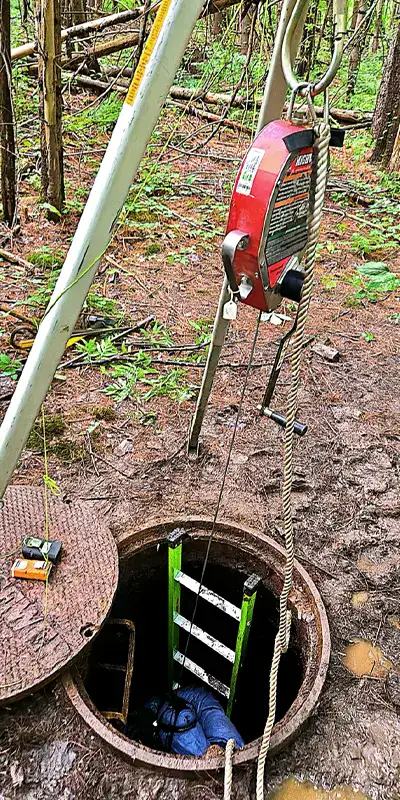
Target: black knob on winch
(291, 285)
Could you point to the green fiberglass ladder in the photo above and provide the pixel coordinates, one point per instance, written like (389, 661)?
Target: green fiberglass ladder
(243, 615)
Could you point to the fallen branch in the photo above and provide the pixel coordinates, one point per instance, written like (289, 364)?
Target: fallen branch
(100, 24)
(188, 108)
(361, 220)
(94, 83)
(100, 49)
(217, 98)
(212, 98)
(13, 258)
(194, 111)
(94, 25)
(348, 116)
(137, 327)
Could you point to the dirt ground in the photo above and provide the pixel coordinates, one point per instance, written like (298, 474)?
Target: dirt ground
(346, 492)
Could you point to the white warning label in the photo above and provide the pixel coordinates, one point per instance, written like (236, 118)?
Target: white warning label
(249, 170)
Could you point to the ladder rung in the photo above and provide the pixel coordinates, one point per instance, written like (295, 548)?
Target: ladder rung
(206, 594)
(206, 638)
(202, 674)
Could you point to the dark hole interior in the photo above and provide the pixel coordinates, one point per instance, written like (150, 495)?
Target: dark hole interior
(142, 597)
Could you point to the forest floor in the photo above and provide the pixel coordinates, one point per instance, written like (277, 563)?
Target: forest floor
(165, 260)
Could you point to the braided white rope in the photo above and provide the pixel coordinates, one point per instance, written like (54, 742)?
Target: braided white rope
(230, 746)
(321, 150)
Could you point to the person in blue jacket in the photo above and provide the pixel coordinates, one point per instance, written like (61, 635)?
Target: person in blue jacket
(190, 720)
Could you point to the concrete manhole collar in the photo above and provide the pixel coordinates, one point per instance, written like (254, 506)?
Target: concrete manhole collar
(244, 551)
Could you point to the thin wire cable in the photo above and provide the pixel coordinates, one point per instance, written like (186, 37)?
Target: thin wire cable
(221, 491)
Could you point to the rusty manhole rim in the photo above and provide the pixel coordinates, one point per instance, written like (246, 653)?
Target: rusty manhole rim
(290, 724)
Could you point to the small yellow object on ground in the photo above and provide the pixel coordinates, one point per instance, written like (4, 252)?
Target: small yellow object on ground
(292, 789)
(359, 599)
(364, 658)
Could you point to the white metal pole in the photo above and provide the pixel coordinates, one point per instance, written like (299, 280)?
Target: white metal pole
(160, 60)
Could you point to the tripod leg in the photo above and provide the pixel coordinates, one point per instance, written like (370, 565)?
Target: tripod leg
(220, 330)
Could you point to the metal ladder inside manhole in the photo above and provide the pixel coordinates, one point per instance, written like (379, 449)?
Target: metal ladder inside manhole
(243, 615)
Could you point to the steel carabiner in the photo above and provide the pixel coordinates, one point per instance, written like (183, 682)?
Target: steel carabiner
(340, 25)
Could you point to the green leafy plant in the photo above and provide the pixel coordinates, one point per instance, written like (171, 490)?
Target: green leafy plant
(328, 283)
(369, 337)
(380, 280)
(375, 240)
(98, 349)
(159, 335)
(128, 376)
(104, 304)
(203, 328)
(8, 367)
(172, 385)
(44, 291)
(46, 257)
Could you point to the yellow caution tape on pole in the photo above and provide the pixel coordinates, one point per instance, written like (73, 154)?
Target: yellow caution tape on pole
(147, 51)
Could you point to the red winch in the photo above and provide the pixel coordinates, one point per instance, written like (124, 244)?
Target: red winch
(267, 224)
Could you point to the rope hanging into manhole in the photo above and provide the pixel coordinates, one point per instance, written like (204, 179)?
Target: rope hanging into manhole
(321, 150)
(320, 172)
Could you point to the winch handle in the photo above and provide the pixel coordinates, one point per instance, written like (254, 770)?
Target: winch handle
(234, 240)
(340, 26)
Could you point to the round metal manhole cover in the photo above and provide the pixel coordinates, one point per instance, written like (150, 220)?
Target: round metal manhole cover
(43, 627)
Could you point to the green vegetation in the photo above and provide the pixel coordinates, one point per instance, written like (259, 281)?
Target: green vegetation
(106, 305)
(54, 426)
(46, 257)
(369, 337)
(129, 380)
(364, 244)
(9, 367)
(105, 413)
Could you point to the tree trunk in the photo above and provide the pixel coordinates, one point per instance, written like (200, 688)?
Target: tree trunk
(217, 24)
(49, 35)
(327, 19)
(307, 41)
(354, 14)
(244, 34)
(357, 49)
(386, 119)
(78, 12)
(395, 159)
(142, 35)
(7, 141)
(378, 24)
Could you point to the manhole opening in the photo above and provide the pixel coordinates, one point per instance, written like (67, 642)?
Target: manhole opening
(142, 598)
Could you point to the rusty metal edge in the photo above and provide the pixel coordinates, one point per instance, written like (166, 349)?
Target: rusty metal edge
(284, 731)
